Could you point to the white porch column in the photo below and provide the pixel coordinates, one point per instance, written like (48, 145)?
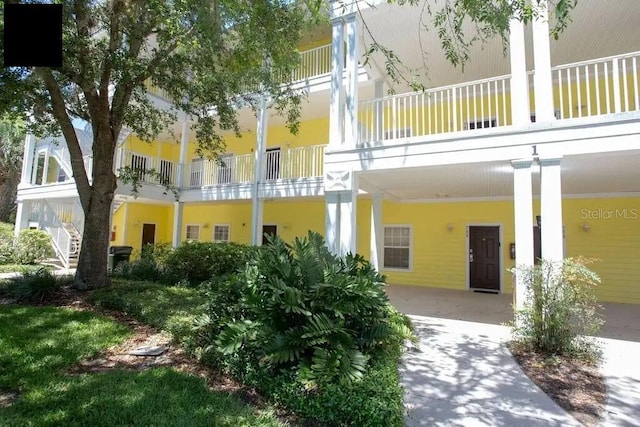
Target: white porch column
(336, 116)
(542, 80)
(27, 159)
(23, 209)
(332, 221)
(519, 80)
(351, 95)
(341, 195)
(551, 210)
(178, 209)
(376, 231)
(523, 213)
(257, 209)
(45, 168)
(184, 144)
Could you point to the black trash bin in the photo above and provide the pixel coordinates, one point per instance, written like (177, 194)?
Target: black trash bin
(117, 254)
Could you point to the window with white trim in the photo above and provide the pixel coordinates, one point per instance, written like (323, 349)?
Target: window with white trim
(397, 247)
(193, 232)
(221, 233)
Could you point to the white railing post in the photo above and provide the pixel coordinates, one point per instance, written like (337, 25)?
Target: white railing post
(616, 86)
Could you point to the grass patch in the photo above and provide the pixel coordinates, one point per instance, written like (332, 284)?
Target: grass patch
(38, 343)
(21, 268)
(158, 397)
(170, 308)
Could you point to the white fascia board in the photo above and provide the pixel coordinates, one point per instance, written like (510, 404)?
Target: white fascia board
(218, 193)
(302, 187)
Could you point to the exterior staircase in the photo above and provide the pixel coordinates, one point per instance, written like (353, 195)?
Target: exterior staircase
(74, 247)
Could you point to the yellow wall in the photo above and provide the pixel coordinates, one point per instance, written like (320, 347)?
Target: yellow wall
(137, 214)
(237, 215)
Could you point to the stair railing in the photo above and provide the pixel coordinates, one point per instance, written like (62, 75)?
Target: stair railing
(60, 237)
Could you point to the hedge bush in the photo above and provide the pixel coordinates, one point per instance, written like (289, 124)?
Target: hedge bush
(32, 246)
(6, 243)
(313, 331)
(196, 262)
(36, 285)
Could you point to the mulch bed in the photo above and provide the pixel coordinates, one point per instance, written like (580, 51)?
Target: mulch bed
(575, 385)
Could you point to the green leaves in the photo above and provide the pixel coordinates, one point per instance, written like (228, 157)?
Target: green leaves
(301, 308)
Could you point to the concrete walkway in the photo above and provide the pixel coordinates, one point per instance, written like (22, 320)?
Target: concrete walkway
(463, 374)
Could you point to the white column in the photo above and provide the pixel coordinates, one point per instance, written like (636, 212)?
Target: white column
(257, 209)
(332, 220)
(519, 80)
(377, 231)
(543, 83)
(178, 209)
(22, 216)
(551, 210)
(523, 214)
(336, 117)
(184, 144)
(351, 95)
(27, 159)
(348, 222)
(45, 168)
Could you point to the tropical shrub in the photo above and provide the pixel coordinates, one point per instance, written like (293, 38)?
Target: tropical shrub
(197, 262)
(139, 269)
(6, 243)
(313, 331)
(37, 285)
(560, 315)
(32, 246)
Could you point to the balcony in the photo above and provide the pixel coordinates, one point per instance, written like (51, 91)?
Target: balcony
(314, 63)
(585, 89)
(292, 167)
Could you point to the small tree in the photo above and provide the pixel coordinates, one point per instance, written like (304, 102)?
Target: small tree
(12, 135)
(560, 314)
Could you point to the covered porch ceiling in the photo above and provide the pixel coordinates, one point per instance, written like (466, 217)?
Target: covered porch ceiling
(581, 175)
(598, 29)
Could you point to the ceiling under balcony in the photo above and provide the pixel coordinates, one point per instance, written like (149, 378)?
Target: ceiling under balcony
(598, 29)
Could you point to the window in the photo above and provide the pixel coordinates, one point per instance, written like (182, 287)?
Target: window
(398, 133)
(193, 232)
(224, 168)
(273, 164)
(397, 247)
(166, 172)
(482, 124)
(220, 233)
(139, 166)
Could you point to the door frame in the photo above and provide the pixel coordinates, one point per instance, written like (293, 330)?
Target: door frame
(268, 225)
(155, 232)
(500, 248)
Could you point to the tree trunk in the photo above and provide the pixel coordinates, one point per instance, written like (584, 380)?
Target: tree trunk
(8, 191)
(92, 262)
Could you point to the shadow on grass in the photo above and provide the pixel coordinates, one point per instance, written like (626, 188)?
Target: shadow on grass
(159, 396)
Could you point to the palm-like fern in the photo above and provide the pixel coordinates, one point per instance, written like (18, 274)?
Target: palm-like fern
(306, 309)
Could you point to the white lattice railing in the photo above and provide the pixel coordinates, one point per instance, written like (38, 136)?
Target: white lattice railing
(293, 163)
(600, 86)
(472, 105)
(227, 170)
(60, 237)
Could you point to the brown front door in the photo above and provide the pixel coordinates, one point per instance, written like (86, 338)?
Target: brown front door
(484, 258)
(271, 230)
(537, 247)
(148, 234)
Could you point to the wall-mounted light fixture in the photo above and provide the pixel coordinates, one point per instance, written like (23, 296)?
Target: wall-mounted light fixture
(450, 226)
(586, 227)
(205, 225)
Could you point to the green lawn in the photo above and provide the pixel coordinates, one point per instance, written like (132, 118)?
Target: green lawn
(38, 343)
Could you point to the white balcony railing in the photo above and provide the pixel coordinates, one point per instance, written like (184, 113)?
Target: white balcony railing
(600, 86)
(294, 163)
(227, 170)
(313, 63)
(472, 105)
(152, 170)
